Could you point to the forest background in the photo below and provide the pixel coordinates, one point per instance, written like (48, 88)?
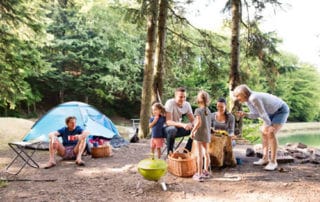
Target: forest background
(93, 51)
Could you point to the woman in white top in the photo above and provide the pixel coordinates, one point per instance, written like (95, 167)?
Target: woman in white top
(274, 113)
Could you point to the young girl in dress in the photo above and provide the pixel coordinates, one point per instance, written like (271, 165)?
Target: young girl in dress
(156, 122)
(201, 136)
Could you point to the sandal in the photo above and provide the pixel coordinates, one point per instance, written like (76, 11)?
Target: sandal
(49, 165)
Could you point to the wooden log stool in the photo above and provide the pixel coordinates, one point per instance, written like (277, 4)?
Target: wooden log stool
(220, 150)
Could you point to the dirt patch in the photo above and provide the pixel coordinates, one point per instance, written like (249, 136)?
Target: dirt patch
(13, 129)
(116, 179)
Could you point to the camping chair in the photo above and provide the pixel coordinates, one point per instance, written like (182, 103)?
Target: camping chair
(20, 149)
(175, 147)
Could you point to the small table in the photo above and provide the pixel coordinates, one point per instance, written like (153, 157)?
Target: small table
(20, 148)
(135, 123)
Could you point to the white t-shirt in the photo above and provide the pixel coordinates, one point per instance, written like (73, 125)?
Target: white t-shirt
(176, 111)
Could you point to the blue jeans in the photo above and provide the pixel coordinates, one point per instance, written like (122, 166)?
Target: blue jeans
(172, 132)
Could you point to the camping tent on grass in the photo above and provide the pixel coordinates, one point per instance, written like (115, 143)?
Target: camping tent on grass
(87, 116)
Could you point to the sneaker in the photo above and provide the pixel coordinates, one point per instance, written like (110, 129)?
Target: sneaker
(271, 166)
(260, 162)
(206, 175)
(197, 177)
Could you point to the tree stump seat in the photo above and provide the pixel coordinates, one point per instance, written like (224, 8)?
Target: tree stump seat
(220, 150)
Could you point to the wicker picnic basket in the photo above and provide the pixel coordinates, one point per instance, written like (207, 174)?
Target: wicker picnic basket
(101, 151)
(182, 164)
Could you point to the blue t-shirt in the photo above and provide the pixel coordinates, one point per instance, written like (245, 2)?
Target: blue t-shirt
(64, 133)
(156, 131)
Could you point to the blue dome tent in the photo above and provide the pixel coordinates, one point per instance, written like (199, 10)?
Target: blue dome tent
(87, 116)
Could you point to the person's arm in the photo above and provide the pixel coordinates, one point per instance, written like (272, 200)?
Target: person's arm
(261, 110)
(253, 114)
(83, 135)
(190, 118)
(196, 126)
(153, 121)
(231, 124)
(53, 135)
(170, 122)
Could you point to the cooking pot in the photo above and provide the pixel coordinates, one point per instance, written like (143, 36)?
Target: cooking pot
(152, 169)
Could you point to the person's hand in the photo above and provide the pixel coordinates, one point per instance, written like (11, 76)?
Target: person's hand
(193, 134)
(188, 126)
(156, 117)
(241, 113)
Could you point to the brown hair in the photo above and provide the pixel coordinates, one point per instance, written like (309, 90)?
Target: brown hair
(160, 107)
(226, 113)
(69, 118)
(181, 89)
(206, 100)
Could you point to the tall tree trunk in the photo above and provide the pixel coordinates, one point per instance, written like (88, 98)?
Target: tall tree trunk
(34, 108)
(61, 96)
(148, 69)
(235, 77)
(160, 52)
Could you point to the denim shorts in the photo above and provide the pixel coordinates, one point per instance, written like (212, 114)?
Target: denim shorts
(281, 115)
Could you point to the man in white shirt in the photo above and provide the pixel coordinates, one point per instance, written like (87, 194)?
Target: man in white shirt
(175, 109)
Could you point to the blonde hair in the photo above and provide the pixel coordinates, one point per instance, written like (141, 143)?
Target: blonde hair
(206, 99)
(243, 90)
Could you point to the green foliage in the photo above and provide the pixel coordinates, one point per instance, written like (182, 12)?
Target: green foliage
(196, 60)
(95, 51)
(251, 131)
(20, 32)
(300, 90)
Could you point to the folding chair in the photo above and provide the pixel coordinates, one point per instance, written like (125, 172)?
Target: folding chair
(20, 149)
(175, 147)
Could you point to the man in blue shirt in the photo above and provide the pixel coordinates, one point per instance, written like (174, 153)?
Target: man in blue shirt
(73, 143)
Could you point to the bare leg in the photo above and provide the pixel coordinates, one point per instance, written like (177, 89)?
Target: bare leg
(199, 157)
(54, 146)
(152, 151)
(265, 147)
(80, 147)
(159, 152)
(206, 156)
(273, 142)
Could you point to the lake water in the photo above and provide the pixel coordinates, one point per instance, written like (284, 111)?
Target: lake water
(310, 139)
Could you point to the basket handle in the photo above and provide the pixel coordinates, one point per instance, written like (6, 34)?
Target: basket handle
(183, 149)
